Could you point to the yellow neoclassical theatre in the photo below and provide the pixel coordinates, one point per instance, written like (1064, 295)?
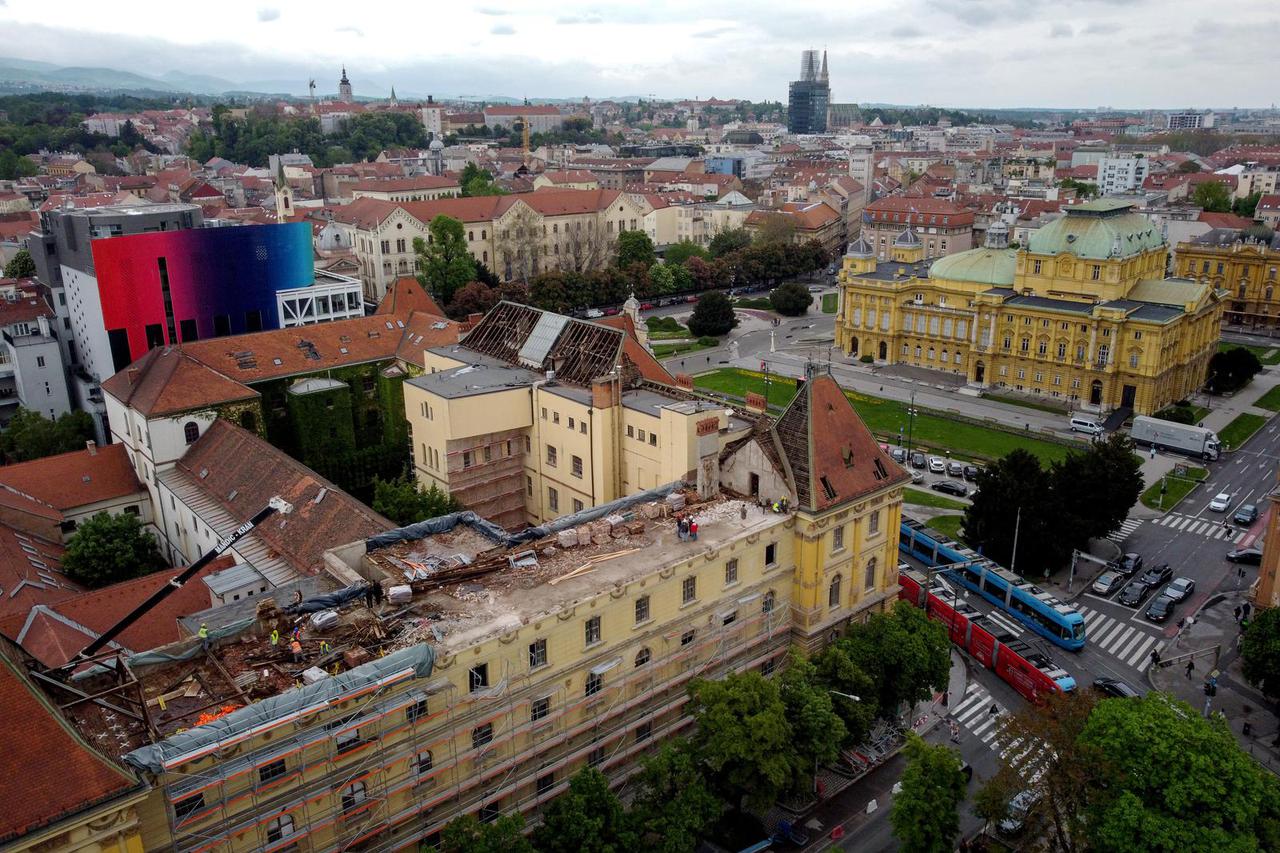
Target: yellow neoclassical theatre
(1083, 313)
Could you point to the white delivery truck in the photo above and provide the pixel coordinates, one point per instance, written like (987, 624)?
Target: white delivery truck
(1169, 435)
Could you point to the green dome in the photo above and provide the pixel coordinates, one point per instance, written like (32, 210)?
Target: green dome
(984, 266)
(1105, 228)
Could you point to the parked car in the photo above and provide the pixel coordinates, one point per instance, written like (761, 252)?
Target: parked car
(1107, 582)
(1159, 608)
(918, 459)
(1019, 808)
(1129, 563)
(593, 313)
(1133, 593)
(1220, 502)
(955, 469)
(899, 454)
(1246, 514)
(1115, 687)
(1248, 556)
(937, 465)
(917, 477)
(1180, 588)
(951, 487)
(645, 306)
(691, 298)
(1157, 575)
(971, 472)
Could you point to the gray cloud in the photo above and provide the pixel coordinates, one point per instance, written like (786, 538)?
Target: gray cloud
(1061, 31)
(906, 31)
(503, 30)
(268, 13)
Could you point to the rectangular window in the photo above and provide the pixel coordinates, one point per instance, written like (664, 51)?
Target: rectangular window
(595, 682)
(481, 735)
(416, 711)
(577, 505)
(595, 756)
(837, 539)
(528, 485)
(642, 609)
(771, 554)
(653, 439)
(640, 435)
(873, 522)
(537, 653)
(631, 431)
(687, 637)
(539, 708)
(1096, 272)
(729, 618)
(576, 466)
(185, 808)
(551, 455)
(644, 731)
(544, 413)
(466, 459)
(731, 571)
(555, 417)
(591, 630)
(689, 589)
(553, 499)
(479, 676)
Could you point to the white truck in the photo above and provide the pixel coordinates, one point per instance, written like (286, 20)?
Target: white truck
(1168, 435)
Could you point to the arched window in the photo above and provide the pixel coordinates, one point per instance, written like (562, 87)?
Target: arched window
(767, 605)
(833, 592)
(869, 582)
(191, 431)
(642, 657)
(425, 763)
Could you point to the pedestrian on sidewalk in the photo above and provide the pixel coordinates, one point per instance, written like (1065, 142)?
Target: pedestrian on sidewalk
(955, 731)
(1155, 657)
(1153, 451)
(1248, 608)
(995, 709)
(1237, 612)
(1191, 665)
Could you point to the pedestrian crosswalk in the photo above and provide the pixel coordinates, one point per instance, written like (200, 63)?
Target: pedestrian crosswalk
(1126, 530)
(975, 713)
(1211, 528)
(1124, 640)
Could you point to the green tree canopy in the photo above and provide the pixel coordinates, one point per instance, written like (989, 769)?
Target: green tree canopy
(1095, 489)
(108, 549)
(791, 299)
(817, 731)
(683, 251)
(445, 265)
(674, 807)
(842, 678)
(906, 654)
(404, 501)
(20, 265)
(478, 182)
(742, 738)
(662, 279)
(1212, 196)
(468, 835)
(635, 247)
(30, 435)
(1246, 206)
(776, 228)
(1178, 781)
(1188, 167)
(925, 816)
(1014, 495)
(588, 818)
(729, 241)
(1232, 369)
(472, 298)
(1260, 652)
(713, 316)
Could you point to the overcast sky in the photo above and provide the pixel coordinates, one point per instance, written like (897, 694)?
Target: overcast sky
(997, 53)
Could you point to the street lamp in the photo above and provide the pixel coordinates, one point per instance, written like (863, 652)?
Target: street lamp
(848, 696)
(911, 420)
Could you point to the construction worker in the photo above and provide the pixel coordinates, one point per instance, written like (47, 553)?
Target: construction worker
(325, 648)
(296, 649)
(275, 637)
(203, 634)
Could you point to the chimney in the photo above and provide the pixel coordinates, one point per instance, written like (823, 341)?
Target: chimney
(92, 447)
(133, 375)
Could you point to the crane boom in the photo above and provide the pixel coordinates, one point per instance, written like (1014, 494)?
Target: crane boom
(276, 504)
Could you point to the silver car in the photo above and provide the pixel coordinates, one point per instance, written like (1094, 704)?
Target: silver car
(1180, 588)
(1107, 582)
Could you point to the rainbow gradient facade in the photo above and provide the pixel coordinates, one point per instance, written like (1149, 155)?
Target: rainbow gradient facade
(163, 288)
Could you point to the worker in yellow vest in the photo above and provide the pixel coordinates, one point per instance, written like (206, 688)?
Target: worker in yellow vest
(203, 634)
(275, 637)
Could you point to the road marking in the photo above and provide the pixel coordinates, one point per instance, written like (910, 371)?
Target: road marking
(1185, 523)
(1142, 648)
(1120, 640)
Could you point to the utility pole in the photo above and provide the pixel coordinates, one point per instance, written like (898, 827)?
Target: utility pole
(1017, 524)
(911, 420)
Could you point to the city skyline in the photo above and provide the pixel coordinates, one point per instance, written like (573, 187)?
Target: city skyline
(984, 53)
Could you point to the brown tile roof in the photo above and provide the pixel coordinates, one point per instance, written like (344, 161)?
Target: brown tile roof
(406, 294)
(834, 458)
(917, 210)
(364, 213)
(519, 110)
(23, 311)
(1269, 202)
(169, 380)
(570, 176)
(60, 774)
(240, 472)
(1224, 220)
(479, 209)
(390, 185)
(551, 202)
(422, 331)
(76, 479)
(30, 574)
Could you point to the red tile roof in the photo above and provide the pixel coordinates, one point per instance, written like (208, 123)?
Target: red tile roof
(570, 176)
(59, 773)
(807, 216)
(917, 210)
(30, 574)
(422, 331)
(1224, 220)
(169, 380)
(551, 202)
(1269, 202)
(76, 479)
(518, 110)
(391, 185)
(405, 295)
(23, 311)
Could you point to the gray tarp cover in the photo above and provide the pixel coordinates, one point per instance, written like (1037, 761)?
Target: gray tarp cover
(152, 758)
(445, 523)
(329, 600)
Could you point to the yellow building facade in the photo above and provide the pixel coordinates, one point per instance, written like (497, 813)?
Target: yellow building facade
(1244, 266)
(1083, 314)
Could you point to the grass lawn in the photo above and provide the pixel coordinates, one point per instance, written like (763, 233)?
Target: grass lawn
(666, 329)
(830, 302)
(1176, 488)
(1260, 352)
(1027, 404)
(932, 430)
(668, 350)
(761, 302)
(946, 524)
(1270, 400)
(933, 499)
(1236, 433)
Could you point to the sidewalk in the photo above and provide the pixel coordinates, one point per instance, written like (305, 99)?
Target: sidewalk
(1211, 643)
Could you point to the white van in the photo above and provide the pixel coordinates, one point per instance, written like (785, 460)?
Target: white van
(1086, 425)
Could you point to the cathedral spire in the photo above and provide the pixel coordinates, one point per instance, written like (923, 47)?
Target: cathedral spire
(822, 76)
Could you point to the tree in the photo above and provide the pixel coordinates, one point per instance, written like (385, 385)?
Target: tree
(108, 549)
(20, 265)
(816, 730)
(777, 228)
(1212, 196)
(844, 680)
(1176, 781)
(445, 265)
(1083, 189)
(1095, 489)
(713, 315)
(13, 166)
(683, 251)
(1246, 206)
(473, 298)
(906, 654)
(30, 435)
(729, 241)
(468, 835)
(742, 738)
(1260, 652)
(635, 247)
(404, 501)
(674, 807)
(1188, 167)
(925, 814)
(661, 279)
(1015, 495)
(588, 818)
(791, 299)
(1232, 369)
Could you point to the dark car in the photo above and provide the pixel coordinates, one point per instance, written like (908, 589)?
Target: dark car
(955, 469)
(918, 460)
(899, 455)
(1114, 687)
(1129, 563)
(951, 487)
(1245, 514)
(1157, 575)
(1159, 608)
(1133, 593)
(1248, 556)
(971, 472)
